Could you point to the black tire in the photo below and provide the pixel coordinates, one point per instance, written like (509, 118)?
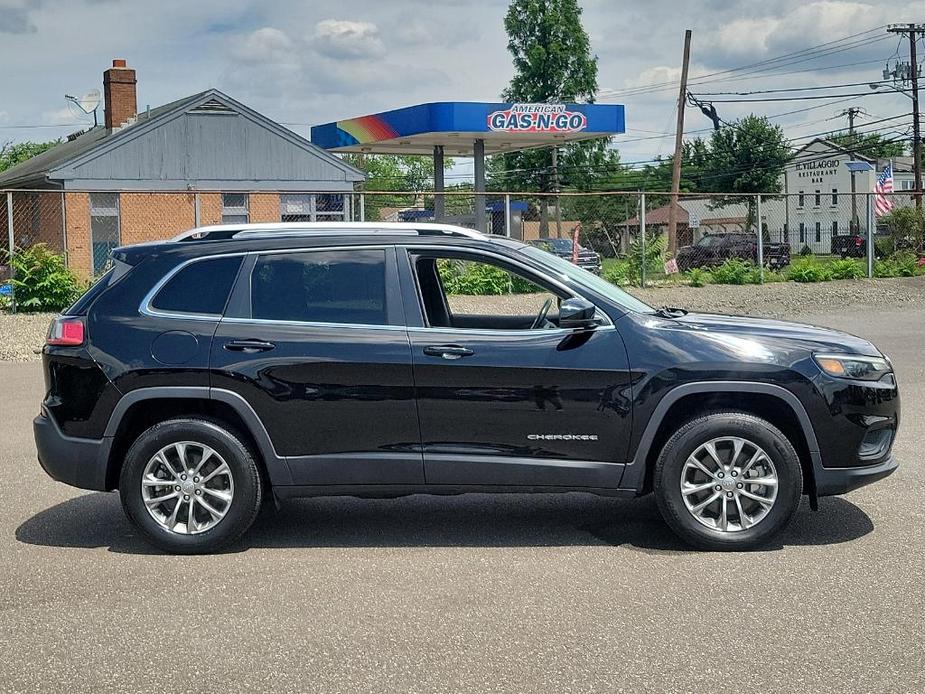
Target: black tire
(242, 510)
(687, 439)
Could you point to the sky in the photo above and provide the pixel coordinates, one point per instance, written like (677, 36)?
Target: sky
(312, 61)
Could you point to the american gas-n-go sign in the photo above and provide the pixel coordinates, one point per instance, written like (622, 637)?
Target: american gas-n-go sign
(537, 118)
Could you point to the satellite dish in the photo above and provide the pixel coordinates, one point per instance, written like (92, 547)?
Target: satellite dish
(89, 101)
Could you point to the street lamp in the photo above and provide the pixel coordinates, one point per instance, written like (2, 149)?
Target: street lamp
(881, 85)
(916, 138)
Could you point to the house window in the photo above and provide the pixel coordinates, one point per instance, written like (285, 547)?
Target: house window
(906, 185)
(301, 207)
(234, 208)
(802, 232)
(834, 196)
(818, 198)
(818, 232)
(329, 207)
(834, 227)
(801, 200)
(104, 228)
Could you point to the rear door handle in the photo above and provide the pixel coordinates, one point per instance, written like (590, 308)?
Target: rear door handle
(249, 346)
(448, 351)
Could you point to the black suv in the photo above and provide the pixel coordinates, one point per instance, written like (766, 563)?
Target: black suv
(232, 365)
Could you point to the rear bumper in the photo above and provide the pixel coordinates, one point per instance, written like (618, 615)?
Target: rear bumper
(832, 481)
(74, 461)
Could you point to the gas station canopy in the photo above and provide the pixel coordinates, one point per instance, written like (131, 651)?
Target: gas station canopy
(456, 126)
(466, 128)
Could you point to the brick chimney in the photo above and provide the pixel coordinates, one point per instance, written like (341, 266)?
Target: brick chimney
(119, 89)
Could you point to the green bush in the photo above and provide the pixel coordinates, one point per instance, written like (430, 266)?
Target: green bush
(480, 279)
(617, 273)
(42, 281)
(654, 257)
(907, 264)
(883, 247)
(847, 269)
(735, 271)
(808, 270)
(697, 277)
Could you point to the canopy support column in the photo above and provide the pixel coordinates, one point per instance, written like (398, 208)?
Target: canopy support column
(478, 153)
(439, 199)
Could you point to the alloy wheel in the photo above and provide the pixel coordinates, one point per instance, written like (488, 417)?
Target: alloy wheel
(729, 484)
(187, 487)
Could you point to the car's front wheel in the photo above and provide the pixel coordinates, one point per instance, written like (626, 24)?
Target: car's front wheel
(190, 485)
(728, 480)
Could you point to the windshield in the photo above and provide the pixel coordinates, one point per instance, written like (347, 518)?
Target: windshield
(587, 279)
(706, 241)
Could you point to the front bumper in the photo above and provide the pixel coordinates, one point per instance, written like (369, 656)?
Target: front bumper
(74, 461)
(832, 481)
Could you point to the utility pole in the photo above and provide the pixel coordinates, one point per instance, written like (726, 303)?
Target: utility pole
(914, 31)
(555, 187)
(852, 113)
(678, 147)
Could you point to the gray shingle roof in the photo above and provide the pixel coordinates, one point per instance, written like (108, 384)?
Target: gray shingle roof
(33, 172)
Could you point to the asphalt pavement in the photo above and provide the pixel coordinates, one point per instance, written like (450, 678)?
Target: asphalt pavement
(476, 593)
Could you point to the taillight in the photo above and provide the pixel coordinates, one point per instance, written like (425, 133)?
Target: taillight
(858, 242)
(66, 331)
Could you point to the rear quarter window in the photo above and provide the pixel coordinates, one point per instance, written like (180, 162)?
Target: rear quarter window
(200, 288)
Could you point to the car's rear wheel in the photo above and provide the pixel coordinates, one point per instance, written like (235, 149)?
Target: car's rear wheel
(190, 485)
(728, 480)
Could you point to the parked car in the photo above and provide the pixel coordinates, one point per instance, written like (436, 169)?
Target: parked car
(563, 248)
(203, 375)
(849, 246)
(714, 249)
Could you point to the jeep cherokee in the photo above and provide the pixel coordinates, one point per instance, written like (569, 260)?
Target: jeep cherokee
(233, 364)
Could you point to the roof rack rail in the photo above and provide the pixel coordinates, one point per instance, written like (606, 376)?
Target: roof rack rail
(224, 232)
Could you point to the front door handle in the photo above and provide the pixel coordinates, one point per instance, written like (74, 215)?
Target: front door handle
(249, 346)
(448, 351)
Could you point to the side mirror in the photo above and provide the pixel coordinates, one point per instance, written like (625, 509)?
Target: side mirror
(577, 314)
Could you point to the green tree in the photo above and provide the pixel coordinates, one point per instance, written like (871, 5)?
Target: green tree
(552, 60)
(747, 156)
(396, 173)
(871, 145)
(12, 153)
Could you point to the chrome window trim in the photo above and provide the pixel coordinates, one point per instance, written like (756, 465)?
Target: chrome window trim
(146, 309)
(313, 324)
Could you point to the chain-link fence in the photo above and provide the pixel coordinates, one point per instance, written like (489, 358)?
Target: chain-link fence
(627, 230)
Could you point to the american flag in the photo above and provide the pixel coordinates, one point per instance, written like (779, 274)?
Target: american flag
(882, 202)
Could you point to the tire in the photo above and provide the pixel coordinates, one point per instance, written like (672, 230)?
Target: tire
(763, 520)
(234, 492)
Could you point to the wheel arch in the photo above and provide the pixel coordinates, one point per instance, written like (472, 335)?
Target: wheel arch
(142, 408)
(762, 399)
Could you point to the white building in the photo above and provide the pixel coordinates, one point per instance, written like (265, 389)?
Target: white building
(818, 204)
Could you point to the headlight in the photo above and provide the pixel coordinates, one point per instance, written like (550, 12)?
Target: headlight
(853, 366)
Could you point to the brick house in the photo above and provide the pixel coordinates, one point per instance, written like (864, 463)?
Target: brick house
(203, 159)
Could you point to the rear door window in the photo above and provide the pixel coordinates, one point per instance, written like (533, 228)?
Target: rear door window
(344, 286)
(200, 288)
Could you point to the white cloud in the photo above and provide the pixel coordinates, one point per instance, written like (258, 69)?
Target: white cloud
(266, 45)
(344, 39)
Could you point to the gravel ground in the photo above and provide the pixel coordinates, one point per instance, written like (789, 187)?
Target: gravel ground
(21, 335)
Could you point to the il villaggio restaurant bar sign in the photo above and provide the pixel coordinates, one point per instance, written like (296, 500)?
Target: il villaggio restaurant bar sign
(537, 118)
(818, 168)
